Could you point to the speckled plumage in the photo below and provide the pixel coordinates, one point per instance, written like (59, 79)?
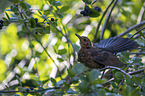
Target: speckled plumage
(98, 56)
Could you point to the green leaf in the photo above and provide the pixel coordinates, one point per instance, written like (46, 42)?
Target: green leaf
(128, 80)
(6, 22)
(113, 84)
(136, 60)
(16, 95)
(136, 92)
(143, 80)
(60, 59)
(78, 68)
(14, 8)
(62, 51)
(71, 91)
(57, 3)
(40, 12)
(15, 1)
(136, 80)
(94, 13)
(70, 72)
(39, 30)
(64, 8)
(83, 87)
(94, 74)
(47, 30)
(119, 75)
(87, 1)
(51, 1)
(7, 16)
(53, 81)
(94, 2)
(39, 83)
(101, 92)
(32, 22)
(129, 89)
(25, 5)
(143, 88)
(124, 56)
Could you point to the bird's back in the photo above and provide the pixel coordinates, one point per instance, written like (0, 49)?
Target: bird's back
(98, 58)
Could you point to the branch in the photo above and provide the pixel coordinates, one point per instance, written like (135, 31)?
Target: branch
(132, 73)
(33, 91)
(95, 36)
(106, 21)
(131, 28)
(66, 39)
(141, 14)
(137, 32)
(111, 67)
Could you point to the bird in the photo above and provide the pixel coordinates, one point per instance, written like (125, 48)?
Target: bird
(102, 54)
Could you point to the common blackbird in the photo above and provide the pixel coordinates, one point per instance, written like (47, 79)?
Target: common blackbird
(102, 54)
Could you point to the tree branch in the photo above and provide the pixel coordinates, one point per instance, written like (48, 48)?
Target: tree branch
(106, 21)
(131, 28)
(132, 73)
(97, 30)
(111, 67)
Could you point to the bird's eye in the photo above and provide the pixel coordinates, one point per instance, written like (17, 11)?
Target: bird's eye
(85, 39)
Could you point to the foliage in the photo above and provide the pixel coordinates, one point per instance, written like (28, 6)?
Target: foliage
(39, 48)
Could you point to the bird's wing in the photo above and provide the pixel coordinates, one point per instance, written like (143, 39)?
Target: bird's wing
(116, 44)
(106, 58)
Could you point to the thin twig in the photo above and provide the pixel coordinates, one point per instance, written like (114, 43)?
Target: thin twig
(111, 67)
(141, 14)
(137, 32)
(132, 73)
(74, 55)
(33, 91)
(139, 53)
(131, 28)
(107, 19)
(98, 26)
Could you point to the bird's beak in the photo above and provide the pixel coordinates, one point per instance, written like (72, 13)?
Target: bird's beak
(78, 36)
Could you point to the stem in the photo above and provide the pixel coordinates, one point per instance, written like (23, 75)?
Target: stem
(97, 30)
(137, 32)
(141, 14)
(131, 28)
(33, 91)
(66, 39)
(26, 25)
(106, 21)
(111, 67)
(132, 73)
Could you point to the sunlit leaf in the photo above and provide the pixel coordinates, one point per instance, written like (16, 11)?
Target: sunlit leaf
(64, 8)
(70, 72)
(7, 16)
(62, 51)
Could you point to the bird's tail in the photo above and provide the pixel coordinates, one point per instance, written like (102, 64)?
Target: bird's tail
(116, 44)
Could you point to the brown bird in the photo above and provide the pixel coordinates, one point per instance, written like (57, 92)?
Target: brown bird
(103, 53)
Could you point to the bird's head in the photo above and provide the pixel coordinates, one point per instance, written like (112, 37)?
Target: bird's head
(84, 41)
